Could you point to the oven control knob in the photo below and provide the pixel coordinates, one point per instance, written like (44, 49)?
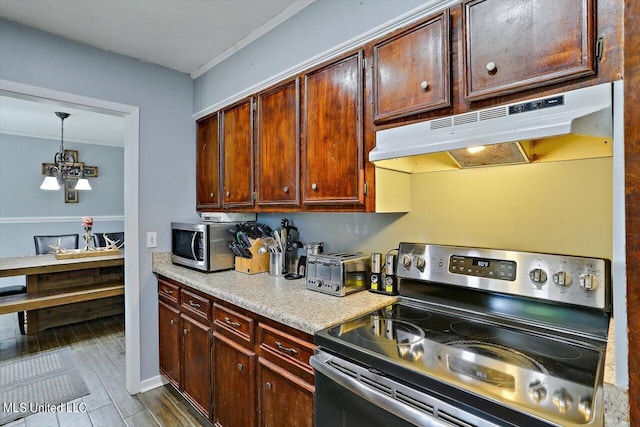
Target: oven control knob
(538, 275)
(562, 401)
(585, 408)
(336, 287)
(406, 261)
(420, 263)
(588, 282)
(537, 392)
(562, 278)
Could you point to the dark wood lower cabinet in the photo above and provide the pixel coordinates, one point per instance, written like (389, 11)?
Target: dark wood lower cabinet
(235, 367)
(170, 333)
(196, 363)
(285, 400)
(234, 384)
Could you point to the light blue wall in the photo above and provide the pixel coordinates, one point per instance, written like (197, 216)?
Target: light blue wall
(319, 27)
(21, 159)
(167, 149)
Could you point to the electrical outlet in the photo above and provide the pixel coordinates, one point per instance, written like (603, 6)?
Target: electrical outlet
(152, 239)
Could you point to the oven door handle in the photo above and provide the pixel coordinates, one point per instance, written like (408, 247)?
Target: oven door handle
(193, 246)
(380, 400)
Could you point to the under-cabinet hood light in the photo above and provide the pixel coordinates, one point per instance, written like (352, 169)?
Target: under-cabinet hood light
(476, 149)
(587, 111)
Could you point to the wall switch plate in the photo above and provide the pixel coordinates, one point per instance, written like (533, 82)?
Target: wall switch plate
(152, 239)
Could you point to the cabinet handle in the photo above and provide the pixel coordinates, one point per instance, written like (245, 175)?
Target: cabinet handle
(167, 291)
(193, 304)
(231, 322)
(184, 331)
(268, 386)
(285, 189)
(240, 367)
(491, 67)
(228, 194)
(289, 350)
(424, 84)
(173, 321)
(212, 195)
(314, 186)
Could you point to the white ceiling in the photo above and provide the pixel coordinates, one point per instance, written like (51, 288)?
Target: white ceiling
(189, 36)
(185, 35)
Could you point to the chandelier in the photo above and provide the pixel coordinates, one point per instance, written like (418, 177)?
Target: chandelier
(64, 166)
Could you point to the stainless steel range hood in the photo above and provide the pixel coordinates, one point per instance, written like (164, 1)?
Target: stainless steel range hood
(515, 133)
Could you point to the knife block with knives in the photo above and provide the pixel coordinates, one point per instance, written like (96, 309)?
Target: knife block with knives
(258, 263)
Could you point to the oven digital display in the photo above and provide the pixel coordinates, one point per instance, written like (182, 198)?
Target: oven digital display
(483, 267)
(479, 262)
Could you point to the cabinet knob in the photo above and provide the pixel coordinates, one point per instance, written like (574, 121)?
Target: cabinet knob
(491, 67)
(228, 194)
(424, 84)
(211, 195)
(268, 386)
(184, 331)
(173, 321)
(285, 189)
(240, 367)
(314, 186)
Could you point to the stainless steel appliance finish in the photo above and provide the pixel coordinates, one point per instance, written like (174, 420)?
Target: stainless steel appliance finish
(339, 273)
(478, 330)
(202, 246)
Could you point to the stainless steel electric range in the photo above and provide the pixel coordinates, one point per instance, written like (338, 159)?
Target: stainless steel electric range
(479, 337)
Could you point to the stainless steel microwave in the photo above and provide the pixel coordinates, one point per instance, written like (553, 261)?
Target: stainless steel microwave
(202, 246)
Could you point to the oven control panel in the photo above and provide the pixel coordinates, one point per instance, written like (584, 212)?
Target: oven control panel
(562, 278)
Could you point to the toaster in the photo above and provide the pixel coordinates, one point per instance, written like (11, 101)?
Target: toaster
(339, 273)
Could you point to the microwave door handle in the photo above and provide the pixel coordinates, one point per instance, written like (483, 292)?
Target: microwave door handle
(193, 246)
(375, 397)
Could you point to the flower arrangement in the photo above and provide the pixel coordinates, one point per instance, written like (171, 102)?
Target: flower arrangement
(87, 224)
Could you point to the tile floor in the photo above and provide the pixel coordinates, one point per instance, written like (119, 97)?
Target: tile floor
(98, 347)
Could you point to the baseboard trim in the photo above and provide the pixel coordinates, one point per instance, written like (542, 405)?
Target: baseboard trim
(153, 382)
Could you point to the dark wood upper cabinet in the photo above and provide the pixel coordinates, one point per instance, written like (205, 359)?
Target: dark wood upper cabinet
(333, 133)
(207, 161)
(411, 70)
(278, 146)
(512, 45)
(237, 154)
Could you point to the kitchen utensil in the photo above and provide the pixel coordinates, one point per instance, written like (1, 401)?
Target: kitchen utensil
(276, 260)
(271, 244)
(263, 250)
(278, 240)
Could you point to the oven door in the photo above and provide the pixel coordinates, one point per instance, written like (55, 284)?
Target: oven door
(350, 395)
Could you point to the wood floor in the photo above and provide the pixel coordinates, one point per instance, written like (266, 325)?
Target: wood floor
(98, 347)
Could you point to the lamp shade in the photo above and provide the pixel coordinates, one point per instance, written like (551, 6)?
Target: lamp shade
(82, 184)
(50, 183)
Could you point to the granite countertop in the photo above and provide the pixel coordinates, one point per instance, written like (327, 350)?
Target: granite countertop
(286, 301)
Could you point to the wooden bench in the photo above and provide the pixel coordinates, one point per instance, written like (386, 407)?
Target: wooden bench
(24, 302)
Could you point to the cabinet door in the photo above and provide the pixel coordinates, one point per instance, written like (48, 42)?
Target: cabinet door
(511, 45)
(285, 400)
(278, 146)
(169, 325)
(237, 154)
(234, 384)
(207, 164)
(411, 70)
(333, 139)
(196, 363)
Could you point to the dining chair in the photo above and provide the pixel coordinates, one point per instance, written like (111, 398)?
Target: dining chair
(67, 241)
(117, 236)
(5, 291)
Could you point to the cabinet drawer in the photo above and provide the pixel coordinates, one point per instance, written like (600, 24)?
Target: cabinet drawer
(196, 304)
(168, 292)
(233, 324)
(286, 348)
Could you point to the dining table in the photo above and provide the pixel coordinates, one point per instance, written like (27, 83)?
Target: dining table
(65, 291)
